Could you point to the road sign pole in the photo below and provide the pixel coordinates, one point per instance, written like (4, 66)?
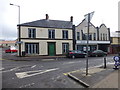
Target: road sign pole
(87, 44)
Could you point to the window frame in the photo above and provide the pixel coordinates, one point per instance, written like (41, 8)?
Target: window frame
(78, 35)
(65, 34)
(31, 32)
(94, 36)
(51, 34)
(101, 37)
(32, 48)
(66, 48)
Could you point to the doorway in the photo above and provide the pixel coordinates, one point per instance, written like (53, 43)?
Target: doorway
(51, 49)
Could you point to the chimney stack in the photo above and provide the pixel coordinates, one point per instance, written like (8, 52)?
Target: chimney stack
(47, 17)
(71, 18)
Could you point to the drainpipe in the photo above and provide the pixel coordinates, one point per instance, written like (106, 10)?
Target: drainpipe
(97, 36)
(74, 37)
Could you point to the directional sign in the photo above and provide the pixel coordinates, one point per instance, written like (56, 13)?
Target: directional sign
(117, 62)
(19, 42)
(116, 58)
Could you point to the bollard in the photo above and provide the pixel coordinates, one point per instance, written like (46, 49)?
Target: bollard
(104, 62)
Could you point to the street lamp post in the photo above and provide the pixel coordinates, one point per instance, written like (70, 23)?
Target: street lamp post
(19, 53)
(88, 18)
(18, 12)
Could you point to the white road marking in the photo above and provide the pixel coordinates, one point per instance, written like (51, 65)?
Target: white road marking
(14, 68)
(27, 85)
(1, 68)
(47, 59)
(33, 66)
(9, 70)
(71, 62)
(108, 63)
(37, 72)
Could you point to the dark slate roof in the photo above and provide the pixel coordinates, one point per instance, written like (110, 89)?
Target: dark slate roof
(49, 24)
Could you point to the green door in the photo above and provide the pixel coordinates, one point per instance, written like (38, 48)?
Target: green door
(51, 49)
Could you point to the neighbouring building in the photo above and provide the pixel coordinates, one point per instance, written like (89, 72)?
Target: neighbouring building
(8, 43)
(115, 42)
(99, 37)
(45, 37)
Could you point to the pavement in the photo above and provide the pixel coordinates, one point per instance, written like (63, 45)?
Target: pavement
(98, 77)
(29, 58)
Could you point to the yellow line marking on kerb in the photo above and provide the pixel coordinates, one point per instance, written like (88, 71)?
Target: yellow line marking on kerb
(71, 72)
(91, 71)
(2, 59)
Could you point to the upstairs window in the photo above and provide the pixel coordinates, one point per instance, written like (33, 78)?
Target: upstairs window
(101, 36)
(51, 34)
(65, 34)
(90, 36)
(106, 36)
(31, 33)
(78, 35)
(94, 36)
(84, 37)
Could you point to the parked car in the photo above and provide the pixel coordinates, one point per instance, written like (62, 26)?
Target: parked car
(98, 53)
(10, 51)
(75, 53)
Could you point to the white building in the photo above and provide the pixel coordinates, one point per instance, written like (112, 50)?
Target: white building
(46, 37)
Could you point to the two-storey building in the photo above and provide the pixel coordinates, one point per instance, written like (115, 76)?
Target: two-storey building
(115, 42)
(46, 37)
(99, 37)
(8, 43)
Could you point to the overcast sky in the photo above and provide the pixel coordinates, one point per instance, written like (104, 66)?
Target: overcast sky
(106, 11)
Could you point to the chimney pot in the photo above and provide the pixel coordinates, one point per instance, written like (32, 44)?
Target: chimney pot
(47, 17)
(71, 18)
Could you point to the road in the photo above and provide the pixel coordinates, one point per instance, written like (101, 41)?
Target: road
(45, 73)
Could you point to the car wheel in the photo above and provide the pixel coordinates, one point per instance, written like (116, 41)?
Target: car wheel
(105, 55)
(85, 56)
(73, 57)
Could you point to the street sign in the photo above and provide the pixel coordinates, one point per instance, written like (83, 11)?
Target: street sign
(19, 42)
(116, 58)
(117, 62)
(90, 16)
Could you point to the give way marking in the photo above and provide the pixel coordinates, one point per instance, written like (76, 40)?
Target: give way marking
(33, 73)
